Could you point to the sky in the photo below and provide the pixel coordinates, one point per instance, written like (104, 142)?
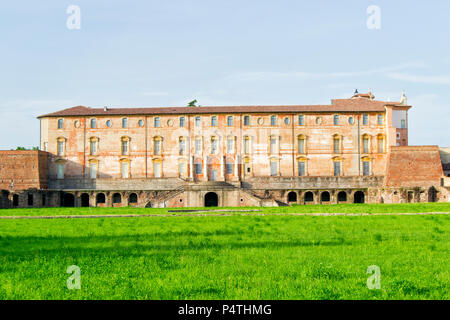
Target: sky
(244, 52)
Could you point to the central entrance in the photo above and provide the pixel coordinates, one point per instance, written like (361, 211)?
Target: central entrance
(211, 199)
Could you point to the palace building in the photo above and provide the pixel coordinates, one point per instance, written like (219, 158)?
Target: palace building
(352, 150)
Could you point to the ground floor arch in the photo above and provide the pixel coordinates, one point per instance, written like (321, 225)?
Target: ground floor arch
(359, 197)
(309, 197)
(85, 200)
(133, 198)
(292, 196)
(100, 198)
(68, 200)
(116, 198)
(325, 196)
(211, 199)
(342, 196)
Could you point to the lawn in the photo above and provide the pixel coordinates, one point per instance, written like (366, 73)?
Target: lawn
(227, 257)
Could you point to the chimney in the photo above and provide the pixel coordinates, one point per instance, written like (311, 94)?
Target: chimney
(105, 108)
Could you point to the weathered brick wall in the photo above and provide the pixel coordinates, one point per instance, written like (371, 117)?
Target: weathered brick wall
(28, 169)
(414, 166)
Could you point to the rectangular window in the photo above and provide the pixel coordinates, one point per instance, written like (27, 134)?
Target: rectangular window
(365, 119)
(124, 148)
(301, 145)
(229, 168)
(182, 120)
(156, 122)
(157, 169)
(214, 146)
(246, 120)
(198, 146)
(337, 145)
(93, 124)
(273, 168)
(273, 145)
(247, 145)
(182, 168)
(60, 123)
(380, 145)
(230, 121)
(230, 145)
(403, 124)
(198, 122)
(273, 120)
(301, 168)
(366, 168)
(336, 120)
(182, 146)
(93, 170)
(60, 171)
(93, 148)
(301, 120)
(157, 147)
(337, 168)
(198, 168)
(214, 121)
(366, 145)
(125, 170)
(380, 119)
(60, 148)
(124, 123)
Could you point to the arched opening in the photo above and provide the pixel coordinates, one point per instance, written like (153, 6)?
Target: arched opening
(16, 200)
(342, 196)
(85, 200)
(211, 199)
(117, 198)
(432, 194)
(309, 197)
(358, 197)
(325, 197)
(292, 196)
(100, 198)
(68, 200)
(148, 205)
(133, 198)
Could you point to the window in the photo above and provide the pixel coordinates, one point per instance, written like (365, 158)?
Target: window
(60, 123)
(93, 170)
(182, 145)
(108, 123)
(246, 145)
(198, 168)
(157, 170)
(273, 120)
(60, 170)
(156, 122)
(301, 144)
(246, 120)
(337, 168)
(365, 119)
(93, 123)
(198, 145)
(61, 147)
(198, 122)
(157, 146)
(336, 120)
(214, 121)
(365, 144)
(366, 168)
(214, 145)
(273, 145)
(287, 121)
(318, 120)
(124, 123)
(301, 120)
(301, 168)
(336, 144)
(273, 168)
(182, 168)
(230, 121)
(403, 124)
(141, 123)
(380, 119)
(182, 120)
(229, 168)
(93, 146)
(230, 145)
(125, 168)
(124, 147)
(380, 144)
(351, 120)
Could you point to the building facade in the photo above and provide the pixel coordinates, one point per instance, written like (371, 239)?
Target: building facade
(231, 156)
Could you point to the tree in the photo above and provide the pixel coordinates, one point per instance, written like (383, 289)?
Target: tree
(192, 103)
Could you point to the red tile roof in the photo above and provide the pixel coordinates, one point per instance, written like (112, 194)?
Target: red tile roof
(338, 105)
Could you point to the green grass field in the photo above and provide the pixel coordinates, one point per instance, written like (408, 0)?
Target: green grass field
(228, 257)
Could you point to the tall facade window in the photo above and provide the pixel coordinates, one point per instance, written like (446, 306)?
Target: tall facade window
(60, 123)
(157, 141)
(380, 144)
(125, 169)
(182, 168)
(182, 145)
(247, 145)
(214, 121)
(93, 146)
(230, 145)
(365, 119)
(198, 121)
(337, 168)
(336, 120)
(214, 145)
(365, 144)
(182, 121)
(301, 168)
(141, 123)
(61, 147)
(380, 119)
(301, 144)
(93, 123)
(60, 170)
(301, 120)
(229, 168)
(230, 121)
(124, 147)
(93, 170)
(366, 168)
(157, 169)
(124, 123)
(198, 145)
(273, 145)
(336, 144)
(198, 167)
(156, 122)
(246, 120)
(273, 120)
(273, 168)
(403, 123)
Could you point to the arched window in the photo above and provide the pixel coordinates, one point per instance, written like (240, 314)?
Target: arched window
(366, 166)
(301, 144)
(337, 143)
(61, 146)
(214, 121)
(292, 196)
(93, 123)
(60, 123)
(93, 145)
(141, 123)
(309, 196)
(125, 145)
(156, 122)
(380, 140)
(342, 196)
(100, 198)
(157, 146)
(182, 142)
(325, 196)
(124, 123)
(246, 145)
(133, 198)
(117, 198)
(214, 145)
(365, 143)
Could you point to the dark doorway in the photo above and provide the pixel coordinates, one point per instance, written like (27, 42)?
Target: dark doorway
(30, 199)
(359, 197)
(148, 205)
(342, 196)
(432, 194)
(325, 196)
(100, 198)
(211, 199)
(309, 197)
(85, 200)
(133, 198)
(292, 196)
(117, 198)
(16, 200)
(68, 200)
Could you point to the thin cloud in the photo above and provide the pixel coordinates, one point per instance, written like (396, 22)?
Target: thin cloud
(445, 79)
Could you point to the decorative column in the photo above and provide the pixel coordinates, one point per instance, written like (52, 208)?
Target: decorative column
(236, 167)
(191, 167)
(222, 173)
(205, 168)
